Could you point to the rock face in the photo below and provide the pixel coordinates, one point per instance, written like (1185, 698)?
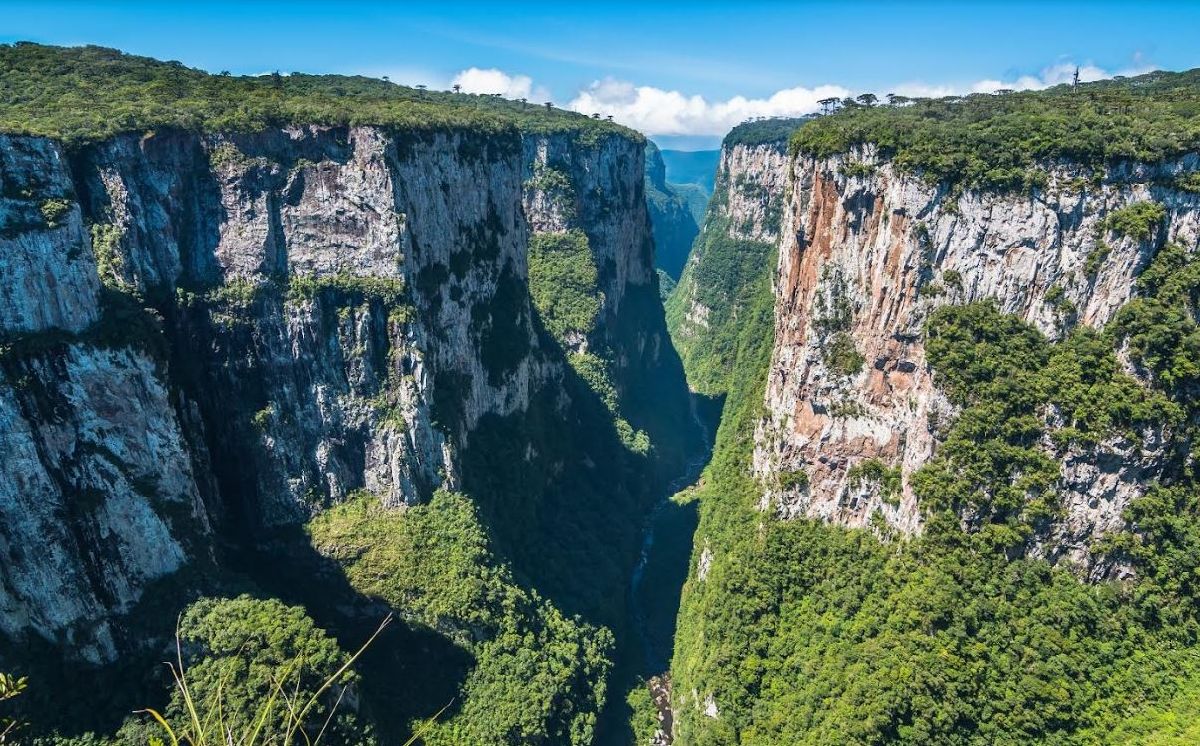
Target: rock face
(330, 309)
(671, 216)
(97, 494)
(866, 252)
(753, 179)
(730, 259)
(47, 276)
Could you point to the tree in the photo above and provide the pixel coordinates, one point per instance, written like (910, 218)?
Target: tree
(549, 105)
(456, 88)
(828, 105)
(246, 663)
(867, 99)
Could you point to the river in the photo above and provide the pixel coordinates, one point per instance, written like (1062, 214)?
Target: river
(656, 584)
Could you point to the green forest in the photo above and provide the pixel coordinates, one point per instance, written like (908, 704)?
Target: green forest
(808, 633)
(1003, 141)
(85, 94)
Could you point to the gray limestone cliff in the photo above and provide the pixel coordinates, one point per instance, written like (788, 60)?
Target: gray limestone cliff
(208, 336)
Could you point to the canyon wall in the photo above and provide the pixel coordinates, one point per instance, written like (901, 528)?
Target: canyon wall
(867, 252)
(206, 337)
(730, 259)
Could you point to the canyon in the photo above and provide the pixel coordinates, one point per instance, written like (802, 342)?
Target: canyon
(285, 358)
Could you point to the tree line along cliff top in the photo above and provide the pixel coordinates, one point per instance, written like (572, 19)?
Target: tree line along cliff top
(1002, 140)
(86, 94)
(769, 131)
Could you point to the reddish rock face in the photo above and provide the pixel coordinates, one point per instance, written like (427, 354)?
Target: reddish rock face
(863, 259)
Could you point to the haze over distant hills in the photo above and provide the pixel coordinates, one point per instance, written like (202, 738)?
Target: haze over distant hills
(692, 167)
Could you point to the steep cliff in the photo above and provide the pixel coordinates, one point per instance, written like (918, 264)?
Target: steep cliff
(868, 256)
(957, 436)
(671, 215)
(731, 261)
(213, 334)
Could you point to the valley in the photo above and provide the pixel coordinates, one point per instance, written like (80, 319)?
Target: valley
(873, 427)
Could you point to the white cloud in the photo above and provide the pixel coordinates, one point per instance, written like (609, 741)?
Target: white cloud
(659, 112)
(1051, 76)
(491, 80)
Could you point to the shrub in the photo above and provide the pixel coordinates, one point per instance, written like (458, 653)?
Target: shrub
(1096, 258)
(1136, 220)
(254, 671)
(953, 279)
(54, 210)
(10, 688)
(874, 471)
(842, 356)
(794, 479)
(1189, 182)
(853, 169)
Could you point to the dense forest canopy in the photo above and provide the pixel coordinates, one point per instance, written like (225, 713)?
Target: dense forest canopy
(1000, 140)
(84, 94)
(763, 131)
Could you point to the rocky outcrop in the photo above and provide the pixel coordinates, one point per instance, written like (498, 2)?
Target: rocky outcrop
(97, 494)
(752, 179)
(215, 333)
(867, 251)
(47, 275)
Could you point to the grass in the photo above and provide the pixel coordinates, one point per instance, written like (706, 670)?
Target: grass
(10, 688)
(205, 722)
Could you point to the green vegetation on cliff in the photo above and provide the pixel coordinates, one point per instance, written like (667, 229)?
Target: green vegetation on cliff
(704, 312)
(84, 94)
(563, 283)
(763, 131)
(538, 676)
(673, 214)
(806, 633)
(1003, 141)
(257, 666)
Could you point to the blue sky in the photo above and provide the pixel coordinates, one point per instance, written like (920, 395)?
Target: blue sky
(683, 72)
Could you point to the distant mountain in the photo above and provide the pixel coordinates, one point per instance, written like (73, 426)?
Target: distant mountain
(692, 167)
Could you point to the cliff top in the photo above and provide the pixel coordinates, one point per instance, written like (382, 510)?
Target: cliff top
(85, 94)
(763, 131)
(998, 141)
